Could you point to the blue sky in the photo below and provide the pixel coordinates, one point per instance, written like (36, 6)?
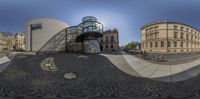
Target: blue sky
(128, 16)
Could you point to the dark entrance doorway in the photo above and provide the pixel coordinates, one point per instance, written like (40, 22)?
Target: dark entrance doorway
(101, 47)
(91, 46)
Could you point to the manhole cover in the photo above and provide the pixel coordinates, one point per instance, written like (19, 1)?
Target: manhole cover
(70, 76)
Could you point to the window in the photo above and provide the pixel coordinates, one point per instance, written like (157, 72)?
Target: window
(175, 44)
(156, 28)
(146, 30)
(106, 39)
(157, 35)
(156, 44)
(146, 45)
(168, 44)
(106, 46)
(151, 29)
(175, 34)
(192, 37)
(111, 46)
(181, 44)
(187, 29)
(187, 36)
(101, 41)
(182, 28)
(162, 43)
(112, 39)
(142, 45)
(187, 44)
(147, 37)
(151, 36)
(175, 27)
(151, 44)
(182, 35)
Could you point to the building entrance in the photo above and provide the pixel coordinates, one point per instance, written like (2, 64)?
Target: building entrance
(91, 46)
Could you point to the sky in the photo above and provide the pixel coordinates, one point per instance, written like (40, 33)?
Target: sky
(128, 16)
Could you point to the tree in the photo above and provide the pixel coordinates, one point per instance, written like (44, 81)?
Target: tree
(131, 45)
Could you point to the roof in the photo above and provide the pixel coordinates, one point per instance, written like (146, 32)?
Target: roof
(18, 33)
(6, 33)
(165, 21)
(111, 31)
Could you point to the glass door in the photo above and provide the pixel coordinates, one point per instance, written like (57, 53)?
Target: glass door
(91, 46)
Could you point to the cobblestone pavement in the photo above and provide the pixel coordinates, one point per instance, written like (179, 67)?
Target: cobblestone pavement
(97, 77)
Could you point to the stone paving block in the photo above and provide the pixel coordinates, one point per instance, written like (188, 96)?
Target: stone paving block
(176, 69)
(196, 62)
(137, 66)
(164, 79)
(164, 68)
(146, 72)
(186, 67)
(160, 73)
(194, 71)
(152, 66)
(181, 76)
(4, 59)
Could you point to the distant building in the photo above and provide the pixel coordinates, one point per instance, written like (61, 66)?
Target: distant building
(2, 40)
(10, 42)
(109, 41)
(164, 36)
(19, 41)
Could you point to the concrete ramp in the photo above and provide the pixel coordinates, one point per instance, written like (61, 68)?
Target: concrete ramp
(167, 73)
(4, 62)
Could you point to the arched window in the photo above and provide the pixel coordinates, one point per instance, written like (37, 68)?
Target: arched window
(106, 46)
(111, 46)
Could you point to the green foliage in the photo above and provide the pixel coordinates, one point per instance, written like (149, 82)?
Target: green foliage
(131, 45)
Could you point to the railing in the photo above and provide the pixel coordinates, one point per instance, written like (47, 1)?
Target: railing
(144, 55)
(56, 44)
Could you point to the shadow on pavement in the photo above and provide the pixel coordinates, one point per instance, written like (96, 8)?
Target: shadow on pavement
(97, 77)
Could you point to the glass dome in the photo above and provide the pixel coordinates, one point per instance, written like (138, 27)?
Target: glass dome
(89, 27)
(83, 36)
(89, 18)
(92, 27)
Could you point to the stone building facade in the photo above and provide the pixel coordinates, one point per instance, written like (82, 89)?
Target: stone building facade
(165, 36)
(9, 41)
(19, 41)
(109, 41)
(2, 40)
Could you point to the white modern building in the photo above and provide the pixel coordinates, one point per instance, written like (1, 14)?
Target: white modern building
(39, 31)
(45, 35)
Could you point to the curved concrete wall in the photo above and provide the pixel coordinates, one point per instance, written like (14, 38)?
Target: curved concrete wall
(37, 38)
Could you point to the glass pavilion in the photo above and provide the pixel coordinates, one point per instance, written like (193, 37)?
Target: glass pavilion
(83, 37)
